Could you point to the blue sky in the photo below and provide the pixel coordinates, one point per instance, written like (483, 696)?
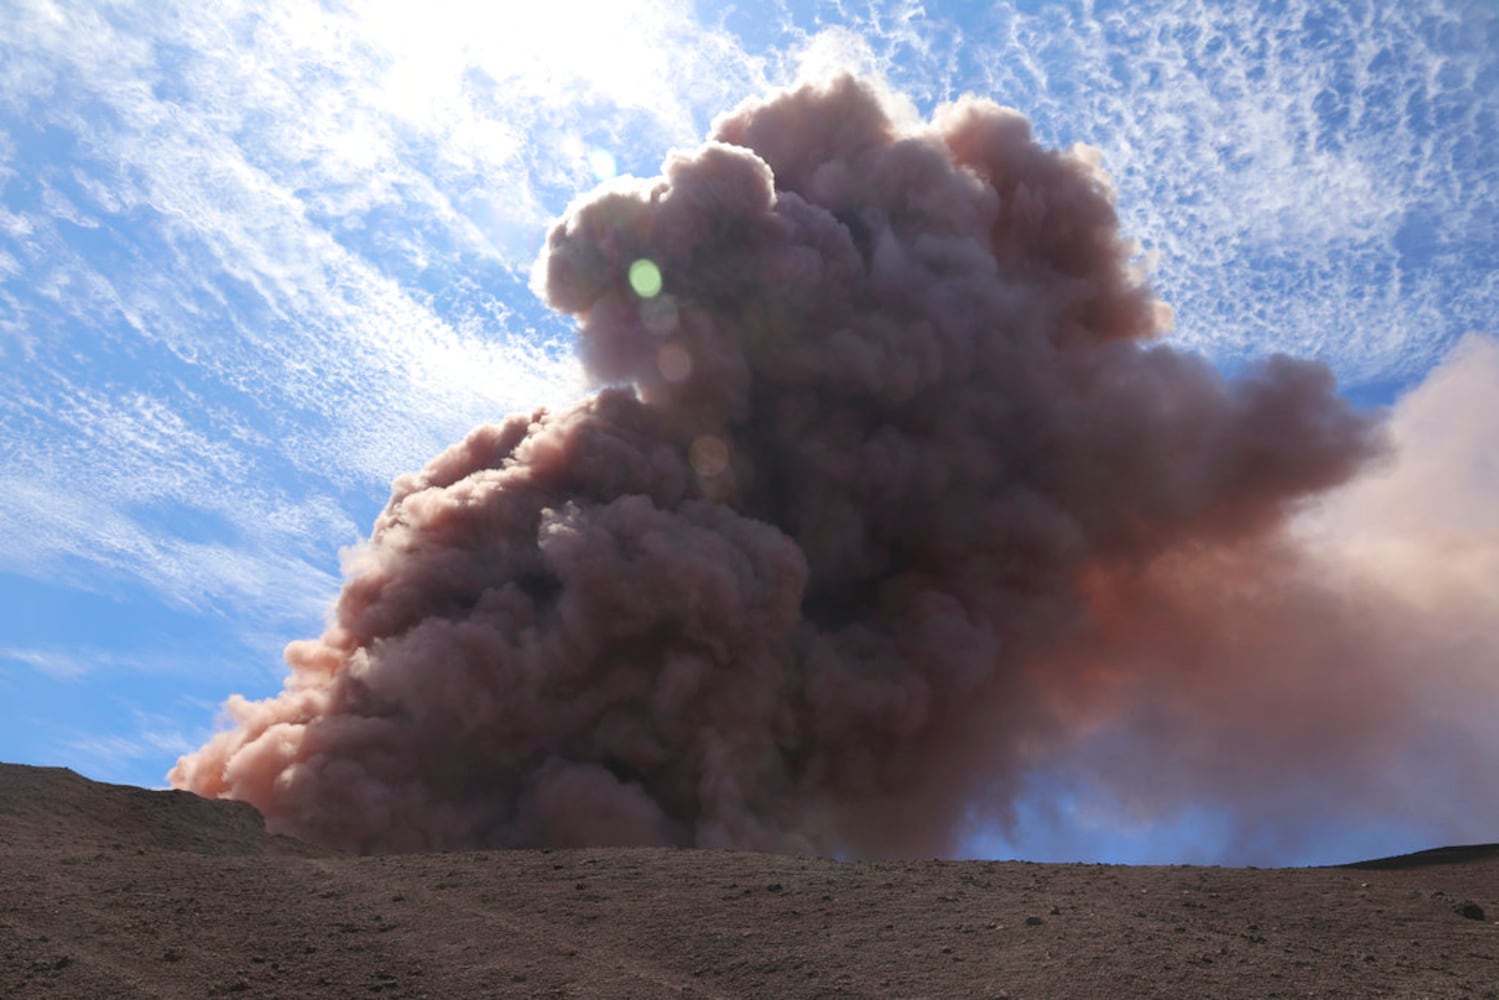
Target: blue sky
(257, 258)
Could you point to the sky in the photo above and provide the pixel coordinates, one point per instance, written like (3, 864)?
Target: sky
(258, 258)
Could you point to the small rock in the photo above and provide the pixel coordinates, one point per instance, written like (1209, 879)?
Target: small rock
(1033, 921)
(1468, 908)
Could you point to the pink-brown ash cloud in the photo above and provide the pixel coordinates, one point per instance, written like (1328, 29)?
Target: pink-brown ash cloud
(1344, 669)
(890, 495)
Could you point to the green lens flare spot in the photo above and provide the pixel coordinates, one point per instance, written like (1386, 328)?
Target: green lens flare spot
(645, 278)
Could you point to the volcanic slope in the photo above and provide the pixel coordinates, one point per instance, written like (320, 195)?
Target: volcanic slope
(121, 892)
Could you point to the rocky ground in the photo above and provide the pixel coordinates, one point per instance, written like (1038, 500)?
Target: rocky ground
(108, 891)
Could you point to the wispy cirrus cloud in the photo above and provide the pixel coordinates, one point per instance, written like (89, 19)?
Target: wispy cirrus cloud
(1305, 171)
(58, 664)
(112, 756)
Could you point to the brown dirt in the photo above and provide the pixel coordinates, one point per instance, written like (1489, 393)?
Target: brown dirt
(108, 891)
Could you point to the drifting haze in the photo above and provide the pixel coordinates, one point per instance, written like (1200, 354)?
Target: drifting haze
(891, 497)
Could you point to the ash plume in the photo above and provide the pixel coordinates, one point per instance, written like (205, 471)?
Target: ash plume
(890, 494)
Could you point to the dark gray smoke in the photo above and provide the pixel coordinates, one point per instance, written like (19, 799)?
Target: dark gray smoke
(890, 496)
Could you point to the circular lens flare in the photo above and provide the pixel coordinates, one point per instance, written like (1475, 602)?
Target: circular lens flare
(659, 315)
(674, 363)
(709, 455)
(645, 278)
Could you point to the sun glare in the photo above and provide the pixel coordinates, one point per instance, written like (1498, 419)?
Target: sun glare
(558, 52)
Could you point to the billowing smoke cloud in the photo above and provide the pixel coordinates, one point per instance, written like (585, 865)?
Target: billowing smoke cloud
(1339, 675)
(890, 496)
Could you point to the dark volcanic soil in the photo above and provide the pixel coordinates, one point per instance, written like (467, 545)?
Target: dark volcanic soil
(108, 891)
